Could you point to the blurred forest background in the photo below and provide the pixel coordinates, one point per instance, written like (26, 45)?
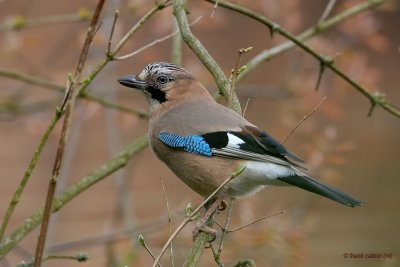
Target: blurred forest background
(341, 145)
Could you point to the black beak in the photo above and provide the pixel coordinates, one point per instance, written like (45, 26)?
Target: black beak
(132, 82)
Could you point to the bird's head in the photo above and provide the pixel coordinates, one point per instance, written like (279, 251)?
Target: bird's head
(164, 83)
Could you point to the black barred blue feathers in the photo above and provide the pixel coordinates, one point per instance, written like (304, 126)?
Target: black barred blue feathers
(191, 143)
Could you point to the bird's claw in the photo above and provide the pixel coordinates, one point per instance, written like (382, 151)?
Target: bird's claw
(201, 227)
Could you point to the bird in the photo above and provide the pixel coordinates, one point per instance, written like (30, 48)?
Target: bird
(204, 142)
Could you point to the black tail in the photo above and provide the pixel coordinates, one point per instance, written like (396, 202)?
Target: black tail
(312, 185)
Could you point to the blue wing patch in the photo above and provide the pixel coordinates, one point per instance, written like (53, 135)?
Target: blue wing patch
(190, 143)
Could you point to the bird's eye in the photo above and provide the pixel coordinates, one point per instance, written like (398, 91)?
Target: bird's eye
(162, 79)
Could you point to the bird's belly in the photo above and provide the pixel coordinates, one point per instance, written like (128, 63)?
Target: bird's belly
(201, 173)
(256, 176)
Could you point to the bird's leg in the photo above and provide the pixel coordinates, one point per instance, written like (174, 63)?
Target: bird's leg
(201, 225)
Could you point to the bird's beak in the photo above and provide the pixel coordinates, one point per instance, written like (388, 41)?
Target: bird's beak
(132, 82)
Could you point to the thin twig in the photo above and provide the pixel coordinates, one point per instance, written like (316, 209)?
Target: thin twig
(193, 213)
(217, 256)
(157, 7)
(19, 22)
(327, 11)
(256, 221)
(143, 243)
(235, 73)
(304, 118)
(169, 220)
(116, 14)
(245, 107)
(17, 195)
(70, 104)
(201, 52)
(214, 9)
(61, 88)
(81, 257)
(153, 43)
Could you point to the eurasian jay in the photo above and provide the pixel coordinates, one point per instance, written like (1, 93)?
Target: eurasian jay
(204, 142)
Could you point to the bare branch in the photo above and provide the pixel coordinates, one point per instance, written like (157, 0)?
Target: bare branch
(235, 73)
(256, 221)
(327, 11)
(60, 88)
(71, 95)
(201, 52)
(143, 243)
(116, 14)
(169, 220)
(35, 219)
(73, 191)
(155, 42)
(324, 61)
(190, 216)
(304, 118)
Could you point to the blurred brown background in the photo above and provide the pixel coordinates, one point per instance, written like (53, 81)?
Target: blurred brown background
(341, 144)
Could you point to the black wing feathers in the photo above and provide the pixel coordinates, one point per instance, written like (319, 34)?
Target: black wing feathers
(217, 139)
(317, 187)
(254, 141)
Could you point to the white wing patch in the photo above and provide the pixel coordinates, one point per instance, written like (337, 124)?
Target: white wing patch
(267, 173)
(259, 174)
(234, 141)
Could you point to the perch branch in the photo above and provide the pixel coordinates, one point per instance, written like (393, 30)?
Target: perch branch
(202, 238)
(190, 218)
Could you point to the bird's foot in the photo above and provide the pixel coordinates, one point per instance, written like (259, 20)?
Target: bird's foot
(202, 227)
(201, 223)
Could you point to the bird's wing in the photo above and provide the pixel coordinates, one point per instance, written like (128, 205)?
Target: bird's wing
(249, 144)
(198, 124)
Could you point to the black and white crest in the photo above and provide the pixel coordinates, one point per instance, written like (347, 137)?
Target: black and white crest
(155, 68)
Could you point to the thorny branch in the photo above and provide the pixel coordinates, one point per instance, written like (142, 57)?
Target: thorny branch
(376, 99)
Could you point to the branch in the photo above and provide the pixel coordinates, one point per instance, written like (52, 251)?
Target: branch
(201, 237)
(376, 99)
(311, 32)
(28, 79)
(17, 195)
(69, 104)
(35, 219)
(258, 220)
(86, 182)
(201, 52)
(19, 22)
(303, 119)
